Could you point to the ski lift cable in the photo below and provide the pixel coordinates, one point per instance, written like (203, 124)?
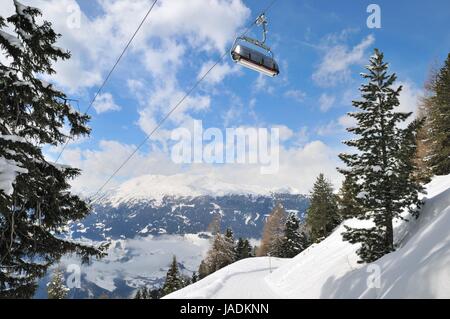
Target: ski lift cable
(100, 89)
(173, 109)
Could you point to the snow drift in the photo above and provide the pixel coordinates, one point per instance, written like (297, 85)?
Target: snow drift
(419, 268)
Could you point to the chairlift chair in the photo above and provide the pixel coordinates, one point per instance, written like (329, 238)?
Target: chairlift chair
(261, 60)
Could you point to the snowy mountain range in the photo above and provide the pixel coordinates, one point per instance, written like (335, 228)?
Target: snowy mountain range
(156, 205)
(329, 269)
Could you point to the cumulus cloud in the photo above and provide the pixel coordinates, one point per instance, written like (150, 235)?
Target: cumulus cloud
(219, 72)
(337, 60)
(409, 98)
(297, 95)
(105, 103)
(326, 102)
(299, 166)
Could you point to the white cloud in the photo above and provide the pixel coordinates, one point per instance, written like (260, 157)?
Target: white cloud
(98, 165)
(296, 95)
(347, 121)
(105, 103)
(285, 132)
(337, 60)
(172, 28)
(219, 72)
(326, 102)
(299, 166)
(262, 85)
(409, 98)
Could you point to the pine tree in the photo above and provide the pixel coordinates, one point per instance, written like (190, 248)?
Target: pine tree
(194, 278)
(440, 120)
(56, 288)
(155, 294)
(138, 294)
(174, 280)
(294, 240)
(35, 204)
(322, 214)
(243, 249)
(144, 293)
(347, 201)
(229, 238)
(382, 167)
(273, 232)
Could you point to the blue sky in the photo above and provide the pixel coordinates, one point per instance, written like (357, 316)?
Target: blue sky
(321, 47)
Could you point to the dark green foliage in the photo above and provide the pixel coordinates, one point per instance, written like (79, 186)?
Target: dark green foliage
(322, 214)
(32, 114)
(174, 280)
(194, 278)
(294, 240)
(347, 201)
(243, 249)
(146, 293)
(138, 294)
(383, 166)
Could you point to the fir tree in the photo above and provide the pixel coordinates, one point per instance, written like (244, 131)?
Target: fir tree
(155, 294)
(383, 166)
(229, 238)
(56, 288)
(294, 240)
(194, 278)
(35, 204)
(440, 120)
(174, 280)
(322, 214)
(347, 201)
(243, 249)
(273, 232)
(138, 294)
(144, 293)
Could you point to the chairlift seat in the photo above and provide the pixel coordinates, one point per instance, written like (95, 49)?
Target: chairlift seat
(255, 60)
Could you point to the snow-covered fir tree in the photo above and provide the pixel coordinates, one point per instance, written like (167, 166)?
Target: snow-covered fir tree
(382, 166)
(56, 289)
(173, 280)
(35, 204)
(322, 214)
(294, 240)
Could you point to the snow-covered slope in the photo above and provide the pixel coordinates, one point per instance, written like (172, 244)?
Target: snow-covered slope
(418, 269)
(243, 279)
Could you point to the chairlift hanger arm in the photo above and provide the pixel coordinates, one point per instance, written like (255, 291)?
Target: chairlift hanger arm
(262, 21)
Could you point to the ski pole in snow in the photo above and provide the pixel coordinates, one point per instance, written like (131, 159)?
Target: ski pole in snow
(270, 262)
